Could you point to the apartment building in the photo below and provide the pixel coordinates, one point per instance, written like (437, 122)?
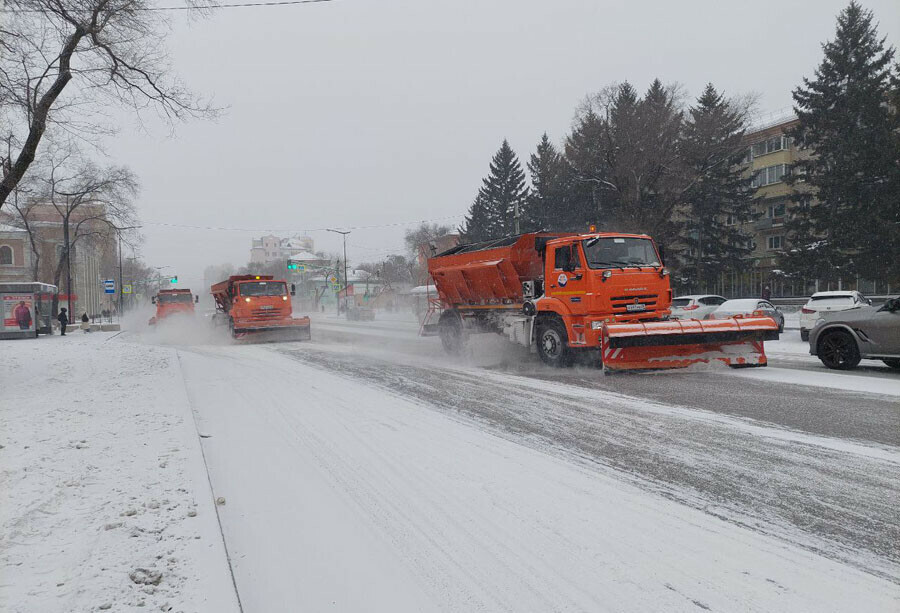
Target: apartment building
(271, 248)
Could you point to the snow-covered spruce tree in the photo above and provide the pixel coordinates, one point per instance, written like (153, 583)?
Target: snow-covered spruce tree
(549, 198)
(502, 195)
(719, 197)
(847, 221)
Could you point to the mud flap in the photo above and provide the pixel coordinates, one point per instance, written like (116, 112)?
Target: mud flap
(738, 342)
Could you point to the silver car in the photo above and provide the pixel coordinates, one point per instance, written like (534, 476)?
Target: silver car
(841, 339)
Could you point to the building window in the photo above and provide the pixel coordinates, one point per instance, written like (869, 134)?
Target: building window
(769, 175)
(775, 242)
(6, 258)
(730, 220)
(771, 145)
(775, 210)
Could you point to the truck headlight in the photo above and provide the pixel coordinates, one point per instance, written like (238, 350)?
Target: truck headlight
(246, 300)
(596, 324)
(284, 297)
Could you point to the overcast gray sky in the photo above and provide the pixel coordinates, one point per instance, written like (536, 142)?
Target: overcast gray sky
(365, 112)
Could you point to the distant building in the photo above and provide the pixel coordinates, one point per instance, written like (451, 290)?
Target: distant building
(15, 255)
(431, 248)
(271, 248)
(93, 254)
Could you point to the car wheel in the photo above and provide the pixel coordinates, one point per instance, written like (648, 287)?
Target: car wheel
(892, 362)
(552, 343)
(838, 350)
(804, 336)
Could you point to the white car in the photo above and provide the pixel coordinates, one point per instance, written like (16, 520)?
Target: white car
(697, 306)
(747, 307)
(827, 302)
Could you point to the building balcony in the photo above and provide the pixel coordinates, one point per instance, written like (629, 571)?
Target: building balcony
(766, 223)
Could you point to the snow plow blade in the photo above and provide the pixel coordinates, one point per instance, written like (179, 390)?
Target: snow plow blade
(737, 342)
(295, 330)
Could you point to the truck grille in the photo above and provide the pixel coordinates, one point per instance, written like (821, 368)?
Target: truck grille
(620, 303)
(266, 314)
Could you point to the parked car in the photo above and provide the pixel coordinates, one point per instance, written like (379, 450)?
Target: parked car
(841, 339)
(696, 306)
(821, 302)
(747, 307)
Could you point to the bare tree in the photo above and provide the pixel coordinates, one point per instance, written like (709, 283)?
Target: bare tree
(97, 52)
(90, 201)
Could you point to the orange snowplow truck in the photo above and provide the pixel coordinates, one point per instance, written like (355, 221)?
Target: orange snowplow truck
(562, 294)
(171, 301)
(258, 307)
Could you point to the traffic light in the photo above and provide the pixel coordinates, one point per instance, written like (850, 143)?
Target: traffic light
(173, 280)
(291, 265)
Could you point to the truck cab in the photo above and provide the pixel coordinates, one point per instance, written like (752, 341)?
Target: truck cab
(595, 278)
(258, 306)
(171, 301)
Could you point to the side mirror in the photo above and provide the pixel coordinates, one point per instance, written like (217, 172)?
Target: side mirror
(662, 254)
(153, 300)
(196, 299)
(293, 290)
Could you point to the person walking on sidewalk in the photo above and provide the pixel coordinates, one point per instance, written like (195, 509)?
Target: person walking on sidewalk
(63, 319)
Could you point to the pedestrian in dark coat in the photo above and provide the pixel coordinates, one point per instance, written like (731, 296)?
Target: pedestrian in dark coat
(63, 319)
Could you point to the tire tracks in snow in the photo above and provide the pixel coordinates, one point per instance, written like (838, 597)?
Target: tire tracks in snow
(808, 490)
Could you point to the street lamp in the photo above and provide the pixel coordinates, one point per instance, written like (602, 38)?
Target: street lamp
(344, 234)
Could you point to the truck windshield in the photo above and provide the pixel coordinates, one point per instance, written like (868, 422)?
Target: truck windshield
(174, 298)
(620, 252)
(263, 288)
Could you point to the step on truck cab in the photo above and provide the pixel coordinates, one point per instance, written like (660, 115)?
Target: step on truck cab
(172, 301)
(258, 307)
(562, 294)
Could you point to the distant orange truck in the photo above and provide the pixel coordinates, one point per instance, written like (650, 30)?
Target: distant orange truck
(258, 307)
(171, 301)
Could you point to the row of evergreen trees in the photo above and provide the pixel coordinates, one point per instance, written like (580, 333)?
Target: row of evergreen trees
(652, 164)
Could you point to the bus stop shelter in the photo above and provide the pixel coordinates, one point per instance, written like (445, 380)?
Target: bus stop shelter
(25, 309)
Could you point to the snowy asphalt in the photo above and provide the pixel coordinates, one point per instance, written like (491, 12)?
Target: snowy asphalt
(813, 465)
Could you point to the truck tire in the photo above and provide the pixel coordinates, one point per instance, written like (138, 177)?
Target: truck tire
(451, 331)
(837, 349)
(553, 343)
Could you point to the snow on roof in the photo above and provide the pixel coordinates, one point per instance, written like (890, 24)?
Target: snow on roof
(306, 256)
(7, 228)
(422, 289)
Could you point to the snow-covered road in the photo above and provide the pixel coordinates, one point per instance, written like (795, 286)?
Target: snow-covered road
(366, 471)
(347, 494)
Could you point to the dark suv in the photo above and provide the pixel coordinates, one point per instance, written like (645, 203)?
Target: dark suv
(842, 338)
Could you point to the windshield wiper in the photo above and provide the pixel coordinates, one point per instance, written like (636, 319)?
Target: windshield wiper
(609, 264)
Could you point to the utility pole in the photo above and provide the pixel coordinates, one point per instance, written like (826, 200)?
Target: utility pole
(346, 279)
(68, 261)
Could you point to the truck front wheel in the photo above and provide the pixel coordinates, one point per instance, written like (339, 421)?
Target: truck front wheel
(552, 343)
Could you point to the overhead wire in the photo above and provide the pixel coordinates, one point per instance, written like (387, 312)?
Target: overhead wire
(196, 8)
(297, 231)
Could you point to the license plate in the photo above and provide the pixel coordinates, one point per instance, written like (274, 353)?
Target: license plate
(266, 308)
(631, 308)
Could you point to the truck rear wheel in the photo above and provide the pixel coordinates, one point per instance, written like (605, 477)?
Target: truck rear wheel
(450, 329)
(552, 343)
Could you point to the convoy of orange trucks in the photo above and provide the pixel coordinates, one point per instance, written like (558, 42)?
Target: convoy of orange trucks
(600, 295)
(172, 301)
(258, 307)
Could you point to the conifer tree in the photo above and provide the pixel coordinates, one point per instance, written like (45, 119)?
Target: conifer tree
(719, 197)
(547, 206)
(500, 201)
(847, 218)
